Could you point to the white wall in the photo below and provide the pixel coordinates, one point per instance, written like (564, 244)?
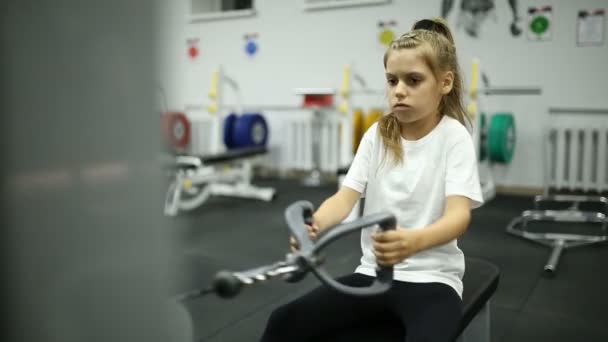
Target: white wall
(309, 49)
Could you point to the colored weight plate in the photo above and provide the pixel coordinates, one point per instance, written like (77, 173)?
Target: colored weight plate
(483, 137)
(229, 122)
(250, 130)
(373, 116)
(357, 128)
(501, 138)
(176, 129)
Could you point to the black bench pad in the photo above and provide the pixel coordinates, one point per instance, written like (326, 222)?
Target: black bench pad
(233, 155)
(188, 161)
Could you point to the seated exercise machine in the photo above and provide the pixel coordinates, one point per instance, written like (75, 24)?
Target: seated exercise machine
(480, 280)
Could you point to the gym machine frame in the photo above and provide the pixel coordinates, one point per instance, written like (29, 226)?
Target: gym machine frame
(480, 137)
(296, 265)
(560, 241)
(220, 174)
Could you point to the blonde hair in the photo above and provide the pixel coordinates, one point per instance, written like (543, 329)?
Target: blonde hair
(434, 39)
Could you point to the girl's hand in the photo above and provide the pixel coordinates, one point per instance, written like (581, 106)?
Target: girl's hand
(393, 246)
(312, 234)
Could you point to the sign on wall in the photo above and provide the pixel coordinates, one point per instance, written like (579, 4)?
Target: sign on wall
(251, 44)
(387, 33)
(193, 49)
(540, 26)
(590, 27)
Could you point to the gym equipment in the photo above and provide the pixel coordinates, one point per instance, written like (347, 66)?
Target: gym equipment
(221, 172)
(360, 121)
(495, 142)
(229, 122)
(176, 130)
(560, 241)
(196, 178)
(372, 117)
(247, 130)
(296, 265)
(319, 100)
(480, 280)
(501, 138)
(358, 124)
(483, 139)
(480, 283)
(575, 161)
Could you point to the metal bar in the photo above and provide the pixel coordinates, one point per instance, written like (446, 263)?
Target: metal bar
(587, 164)
(554, 257)
(564, 216)
(261, 108)
(511, 91)
(602, 155)
(571, 198)
(565, 110)
(573, 160)
(560, 159)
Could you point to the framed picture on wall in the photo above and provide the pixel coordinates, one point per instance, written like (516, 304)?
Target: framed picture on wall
(313, 5)
(590, 27)
(205, 10)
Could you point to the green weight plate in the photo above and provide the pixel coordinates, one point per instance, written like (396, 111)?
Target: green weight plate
(483, 137)
(501, 138)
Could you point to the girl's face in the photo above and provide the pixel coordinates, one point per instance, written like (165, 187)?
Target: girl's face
(414, 92)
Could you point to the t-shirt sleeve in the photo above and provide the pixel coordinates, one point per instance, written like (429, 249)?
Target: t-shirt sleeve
(356, 177)
(462, 175)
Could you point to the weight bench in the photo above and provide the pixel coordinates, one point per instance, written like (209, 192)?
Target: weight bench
(196, 178)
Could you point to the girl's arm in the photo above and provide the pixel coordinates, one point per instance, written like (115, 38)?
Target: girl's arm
(452, 224)
(336, 208)
(394, 246)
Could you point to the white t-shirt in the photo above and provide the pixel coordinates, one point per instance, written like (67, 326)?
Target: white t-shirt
(438, 165)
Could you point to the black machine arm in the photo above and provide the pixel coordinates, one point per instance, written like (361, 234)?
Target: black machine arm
(296, 265)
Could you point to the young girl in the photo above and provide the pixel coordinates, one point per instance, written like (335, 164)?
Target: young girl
(419, 163)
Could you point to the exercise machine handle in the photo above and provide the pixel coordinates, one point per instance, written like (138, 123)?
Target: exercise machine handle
(299, 214)
(228, 284)
(384, 274)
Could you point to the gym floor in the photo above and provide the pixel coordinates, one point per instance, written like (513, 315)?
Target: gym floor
(227, 233)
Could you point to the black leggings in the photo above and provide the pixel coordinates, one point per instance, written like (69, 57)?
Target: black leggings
(428, 311)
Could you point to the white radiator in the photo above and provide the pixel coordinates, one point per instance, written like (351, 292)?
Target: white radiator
(202, 134)
(321, 141)
(577, 158)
